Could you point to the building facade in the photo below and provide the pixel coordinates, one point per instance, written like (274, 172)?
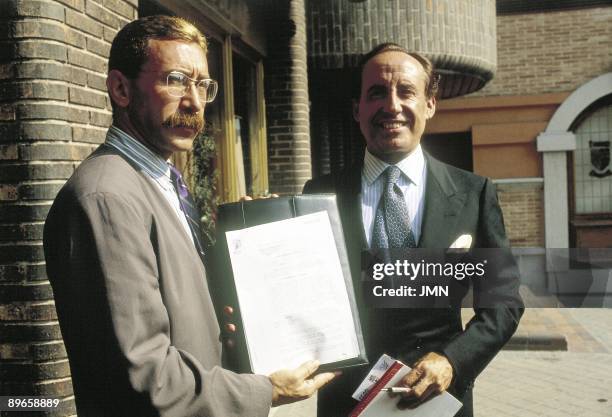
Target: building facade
(538, 119)
(547, 59)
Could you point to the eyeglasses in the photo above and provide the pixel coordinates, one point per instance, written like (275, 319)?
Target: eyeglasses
(178, 84)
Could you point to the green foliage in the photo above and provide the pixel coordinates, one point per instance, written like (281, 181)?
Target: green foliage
(205, 183)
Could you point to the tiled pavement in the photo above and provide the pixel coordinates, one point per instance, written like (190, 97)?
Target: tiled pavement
(541, 384)
(573, 383)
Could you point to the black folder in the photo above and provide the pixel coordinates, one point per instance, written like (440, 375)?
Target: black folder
(244, 214)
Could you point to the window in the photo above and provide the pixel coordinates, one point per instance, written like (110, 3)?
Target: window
(236, 119)
(592, 169)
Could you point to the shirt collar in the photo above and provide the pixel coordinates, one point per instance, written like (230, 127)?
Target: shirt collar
(148, 161)
(411, 166)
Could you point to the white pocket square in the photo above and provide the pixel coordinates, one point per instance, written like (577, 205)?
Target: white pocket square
(462, 242)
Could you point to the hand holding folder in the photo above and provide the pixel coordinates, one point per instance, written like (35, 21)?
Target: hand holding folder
(290, 385)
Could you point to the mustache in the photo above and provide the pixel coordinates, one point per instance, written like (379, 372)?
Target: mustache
(191, 121)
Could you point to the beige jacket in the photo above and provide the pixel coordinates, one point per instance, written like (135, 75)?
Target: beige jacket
(134, 304)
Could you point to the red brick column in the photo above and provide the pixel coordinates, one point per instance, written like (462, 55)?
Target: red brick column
(287, 97)
(53, 112)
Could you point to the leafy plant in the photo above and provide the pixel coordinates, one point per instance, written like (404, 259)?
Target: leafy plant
(204, 185)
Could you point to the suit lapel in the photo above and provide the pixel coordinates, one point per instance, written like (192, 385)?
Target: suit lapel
(443, 204)
(349, 201)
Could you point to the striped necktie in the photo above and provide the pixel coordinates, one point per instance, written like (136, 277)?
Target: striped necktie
(392, 222)
(192, 214)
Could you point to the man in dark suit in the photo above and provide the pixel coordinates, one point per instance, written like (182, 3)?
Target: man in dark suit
(124, 254)
(400, 197)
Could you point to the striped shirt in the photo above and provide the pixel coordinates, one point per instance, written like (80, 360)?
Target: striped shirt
(411, 182)
(151, 164)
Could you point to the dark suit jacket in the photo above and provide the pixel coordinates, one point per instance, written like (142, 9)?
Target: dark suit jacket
(133, 302)
(456, 202)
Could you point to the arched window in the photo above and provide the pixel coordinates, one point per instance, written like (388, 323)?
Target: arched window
(592, 167)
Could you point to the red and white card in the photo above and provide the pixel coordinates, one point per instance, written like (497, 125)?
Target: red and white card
(375, 403)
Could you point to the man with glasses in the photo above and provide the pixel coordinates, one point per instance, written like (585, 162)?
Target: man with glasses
(124, 255)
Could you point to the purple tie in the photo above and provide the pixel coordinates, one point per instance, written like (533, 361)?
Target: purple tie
(189, 208)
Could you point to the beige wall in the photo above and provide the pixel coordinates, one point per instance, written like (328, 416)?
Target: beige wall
(504, 130)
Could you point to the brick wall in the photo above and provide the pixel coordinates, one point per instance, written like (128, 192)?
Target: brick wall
(551, 52)
(287, 98)
(523, 208)
(53, 112)
(340, 31)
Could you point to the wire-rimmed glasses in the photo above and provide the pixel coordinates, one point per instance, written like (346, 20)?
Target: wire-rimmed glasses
(178, 84)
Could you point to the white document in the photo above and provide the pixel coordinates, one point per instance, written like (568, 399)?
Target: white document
(292, 293)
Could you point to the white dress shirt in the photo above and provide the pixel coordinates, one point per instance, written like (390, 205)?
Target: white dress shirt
(411, 182)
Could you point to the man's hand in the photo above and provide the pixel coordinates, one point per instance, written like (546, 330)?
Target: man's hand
(431, 375)
(291, 385)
